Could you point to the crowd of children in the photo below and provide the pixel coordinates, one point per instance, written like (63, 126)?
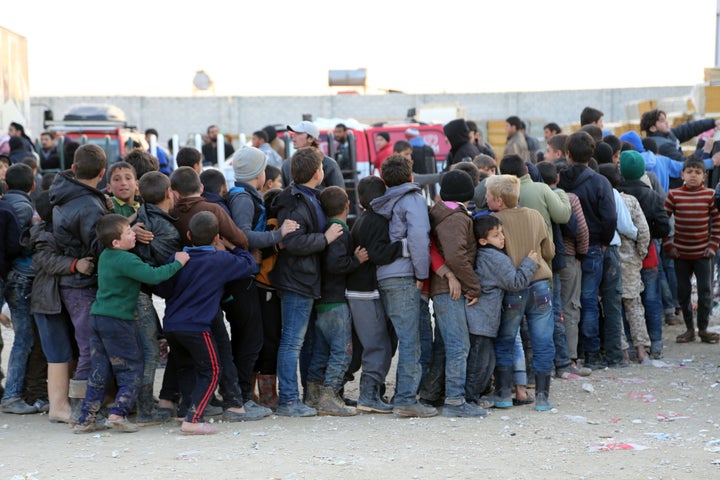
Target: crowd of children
(548, 268)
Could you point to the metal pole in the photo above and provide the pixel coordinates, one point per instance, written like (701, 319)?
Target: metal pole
(717, 35)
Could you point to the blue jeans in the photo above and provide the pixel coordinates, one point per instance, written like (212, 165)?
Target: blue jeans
(451, 319)
(115, 351)
(296, 311)
(592, 274)
(17, 294)
(55, 337)
(535, 303)
(147, 327)
(652, 301)
(426, 337)
(668, 279)
(77, 302)
(562, 357)
(333, 347)
(611, 292)
(401, 299)
(519, 364)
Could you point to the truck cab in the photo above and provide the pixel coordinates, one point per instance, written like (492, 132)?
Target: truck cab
(104, 125)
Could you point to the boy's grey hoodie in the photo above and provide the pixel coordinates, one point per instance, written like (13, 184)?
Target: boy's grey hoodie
(407, 213)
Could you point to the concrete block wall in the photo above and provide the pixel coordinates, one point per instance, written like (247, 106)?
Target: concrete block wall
(187, 116)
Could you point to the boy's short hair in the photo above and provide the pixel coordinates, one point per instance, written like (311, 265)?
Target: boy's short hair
(304, 163)
(400, 146)
(614, 142)
(396, 170)
(513, 165)
(213, 180)
(89, 161)
(188, 157)
(559, 143)
(650, 145)
(5, 159)
(689, 163)
(649, 119)
(590, 115)
(203, 227)
(30, 162)
(141, 161)
(370, 188)
(514, 121)
(47, 180)
(470, 168)
(261, 134)
(484, 162)
(185, 181)
(548, 172)
(483, 224)
(333, 200)
(603, 153)
(580, 146)
(611, 172)
(19, 177)
(506, 187)
(272, 172)
(594, 131)
(117, 166)
(153, 186)
(553, 127)
(111, 227)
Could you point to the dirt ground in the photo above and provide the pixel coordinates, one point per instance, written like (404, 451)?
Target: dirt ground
(649, 422)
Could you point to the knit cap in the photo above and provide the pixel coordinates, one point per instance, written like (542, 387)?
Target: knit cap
(456, 186)
(248, 163)
(632, 165)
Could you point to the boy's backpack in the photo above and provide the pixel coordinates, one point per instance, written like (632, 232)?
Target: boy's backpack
(259, 221)
(269, 257)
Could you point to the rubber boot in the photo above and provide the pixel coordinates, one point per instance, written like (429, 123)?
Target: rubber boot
(369, 399)
(330, 403)
(503, 387)
(76, 393)
(58, 384)
(147, 412)
(267, 386)
(312, 394)
(542, 391)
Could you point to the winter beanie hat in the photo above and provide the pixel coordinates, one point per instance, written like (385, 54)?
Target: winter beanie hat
(248, 163)
(456, 186)
(632, 165)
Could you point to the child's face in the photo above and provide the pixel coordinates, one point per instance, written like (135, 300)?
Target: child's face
(693, 177)
(489, 171)
(126, 241)
(273, 183)
(495, 237)
(123, 184)
(3, 168)
(493, 203)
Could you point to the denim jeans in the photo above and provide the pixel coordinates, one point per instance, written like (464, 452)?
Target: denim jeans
(652, 301)
(520, 376)
(702, 269)
(55, 336)
(592, 274)
(611, 292)
(371, 325)
(77, 302)
(432, 382)
(562, 357)
(17, 294)
(115, 351)
(148, 330)
(401, 299)
(333, 347)
(668, 279)
(296, 311)
(480, 366)
(426, 336)
(535, 303)
(451, 319)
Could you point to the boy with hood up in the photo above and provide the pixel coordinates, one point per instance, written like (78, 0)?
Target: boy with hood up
(458, 134)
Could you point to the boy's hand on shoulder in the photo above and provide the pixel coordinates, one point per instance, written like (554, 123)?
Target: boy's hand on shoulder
(288, 226)
(333, 232)
(142, 235)
(86, 266)
(182, 257)
(533, 255)
(361, 254)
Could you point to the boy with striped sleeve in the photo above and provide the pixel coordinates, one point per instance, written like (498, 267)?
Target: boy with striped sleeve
(694, 246)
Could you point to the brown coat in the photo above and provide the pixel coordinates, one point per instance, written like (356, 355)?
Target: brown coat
(184, 210)
(455, 240)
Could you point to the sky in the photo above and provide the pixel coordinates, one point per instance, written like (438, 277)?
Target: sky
(278, 47)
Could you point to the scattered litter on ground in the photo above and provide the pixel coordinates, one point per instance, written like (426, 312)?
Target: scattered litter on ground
(606, 447)
(646, 397)
(671, 416)
(588, 388)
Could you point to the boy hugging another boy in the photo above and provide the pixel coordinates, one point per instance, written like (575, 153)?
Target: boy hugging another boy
(452, 227)
(115, 348)
(332, 349)
(192, 301)
(497, 274)
(526, 232)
